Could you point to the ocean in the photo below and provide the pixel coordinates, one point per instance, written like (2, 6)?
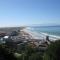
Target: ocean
(53, 31)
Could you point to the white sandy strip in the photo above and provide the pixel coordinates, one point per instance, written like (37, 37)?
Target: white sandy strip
(34, 35)
(41, 35)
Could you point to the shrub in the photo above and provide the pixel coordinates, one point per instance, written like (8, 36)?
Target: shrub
(53, 51)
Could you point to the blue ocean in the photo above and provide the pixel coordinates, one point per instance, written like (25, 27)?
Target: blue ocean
(52, 30)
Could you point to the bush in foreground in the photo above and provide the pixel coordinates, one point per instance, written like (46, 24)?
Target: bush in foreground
(6, 53)
(53, 51)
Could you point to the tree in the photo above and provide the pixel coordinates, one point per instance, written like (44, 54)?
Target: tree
(53, 51)
(6, 53)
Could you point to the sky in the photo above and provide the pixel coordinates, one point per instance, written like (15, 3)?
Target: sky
(29, 12)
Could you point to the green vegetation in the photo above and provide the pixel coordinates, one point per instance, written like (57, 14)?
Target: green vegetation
(29, 53)
(6, 53)
(26, 52)
(53, 51)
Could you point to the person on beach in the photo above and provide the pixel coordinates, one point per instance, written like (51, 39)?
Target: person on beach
(47, 38)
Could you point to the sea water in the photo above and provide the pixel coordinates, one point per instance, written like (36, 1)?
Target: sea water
(52, 31)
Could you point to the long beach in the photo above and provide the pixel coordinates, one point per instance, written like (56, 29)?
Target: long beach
(40, 36)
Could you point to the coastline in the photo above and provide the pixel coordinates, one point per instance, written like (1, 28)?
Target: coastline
(32, 34)
(41, 35)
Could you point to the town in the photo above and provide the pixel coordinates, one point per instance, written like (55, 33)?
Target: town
(18, 42)
(15, 37)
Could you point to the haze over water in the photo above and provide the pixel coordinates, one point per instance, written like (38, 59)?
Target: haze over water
(52, 30)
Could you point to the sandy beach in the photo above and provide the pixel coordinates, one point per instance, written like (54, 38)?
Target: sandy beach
(41, 36)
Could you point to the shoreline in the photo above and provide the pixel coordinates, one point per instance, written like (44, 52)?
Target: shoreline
(41, 35)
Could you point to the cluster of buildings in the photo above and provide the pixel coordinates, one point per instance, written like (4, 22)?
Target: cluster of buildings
(16, 39)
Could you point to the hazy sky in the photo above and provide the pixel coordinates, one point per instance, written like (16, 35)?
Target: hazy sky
(29, 12)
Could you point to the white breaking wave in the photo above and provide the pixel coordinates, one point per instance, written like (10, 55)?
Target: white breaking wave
(41, 35)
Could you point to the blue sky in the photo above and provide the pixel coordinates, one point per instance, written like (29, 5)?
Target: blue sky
(29, 12)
